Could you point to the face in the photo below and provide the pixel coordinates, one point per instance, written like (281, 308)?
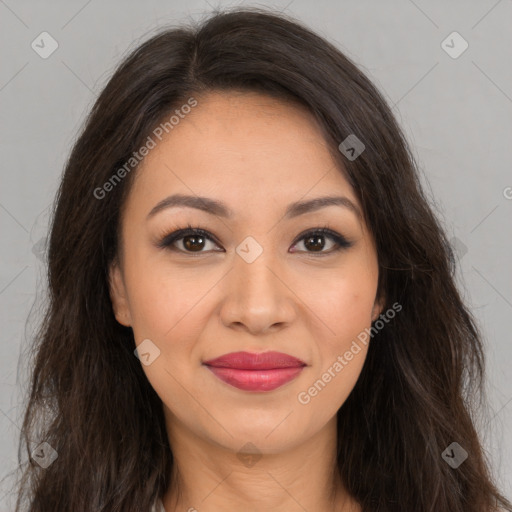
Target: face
(258, 278)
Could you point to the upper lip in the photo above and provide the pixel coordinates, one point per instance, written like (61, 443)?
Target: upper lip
(260, 361)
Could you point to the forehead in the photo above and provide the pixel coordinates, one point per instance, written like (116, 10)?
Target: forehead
(249, 149)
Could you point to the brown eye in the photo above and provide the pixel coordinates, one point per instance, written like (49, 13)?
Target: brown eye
(191, 240)
(314, 242)
(196, 240)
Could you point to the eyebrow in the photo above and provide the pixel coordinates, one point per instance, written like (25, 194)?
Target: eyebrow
(214, 207)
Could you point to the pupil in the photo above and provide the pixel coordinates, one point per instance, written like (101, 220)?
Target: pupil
(190, 245)
(314, 240)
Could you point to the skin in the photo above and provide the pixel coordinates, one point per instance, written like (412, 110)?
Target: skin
(255, 154)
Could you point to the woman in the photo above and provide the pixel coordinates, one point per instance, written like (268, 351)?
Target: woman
(252, 305)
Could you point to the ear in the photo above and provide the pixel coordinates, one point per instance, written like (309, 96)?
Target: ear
(118, 295)
(378, 306)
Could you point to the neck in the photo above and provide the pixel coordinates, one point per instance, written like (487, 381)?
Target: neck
(210, 477)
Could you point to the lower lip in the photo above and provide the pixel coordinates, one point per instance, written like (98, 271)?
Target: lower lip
(256, 380)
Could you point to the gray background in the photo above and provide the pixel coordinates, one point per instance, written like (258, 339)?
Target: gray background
(456, 113)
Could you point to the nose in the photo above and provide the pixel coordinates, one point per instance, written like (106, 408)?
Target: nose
(257, 297)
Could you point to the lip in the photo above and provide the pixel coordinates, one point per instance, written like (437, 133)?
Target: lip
(265, 371)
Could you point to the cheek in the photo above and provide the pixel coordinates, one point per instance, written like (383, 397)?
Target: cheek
(341, 345)
(161, 296)
(149, 306)
(344, 353)
(349, 313)
(344, 304)
(170, 308)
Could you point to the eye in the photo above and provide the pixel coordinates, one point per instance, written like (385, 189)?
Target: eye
(190, 239)
(314, 241)
(194, 240)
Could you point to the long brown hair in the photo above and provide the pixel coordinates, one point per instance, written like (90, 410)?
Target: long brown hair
(89, 398)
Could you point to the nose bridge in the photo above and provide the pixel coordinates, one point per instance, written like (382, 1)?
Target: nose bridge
(256, 295)
(252, 266)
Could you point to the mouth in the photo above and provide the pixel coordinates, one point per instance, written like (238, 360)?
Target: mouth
(265, 371)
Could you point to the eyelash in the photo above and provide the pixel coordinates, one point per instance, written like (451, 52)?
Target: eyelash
(167, 240)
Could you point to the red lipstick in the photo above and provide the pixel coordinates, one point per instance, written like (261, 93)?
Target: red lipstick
(265, 371)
